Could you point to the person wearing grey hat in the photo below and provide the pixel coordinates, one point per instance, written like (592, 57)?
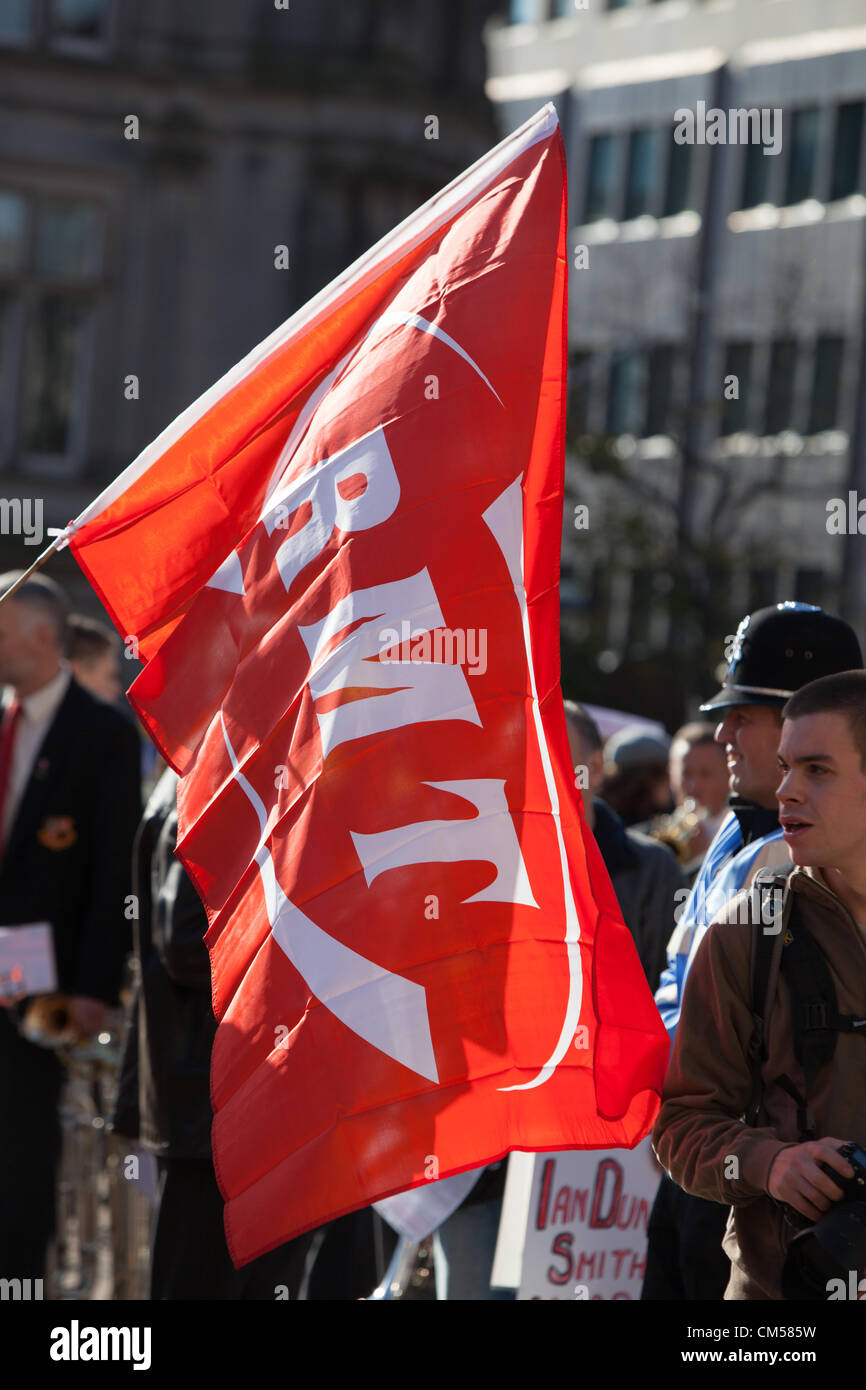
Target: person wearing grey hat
(775, 652)
(636, 784)
(634, 745)
(645, 874)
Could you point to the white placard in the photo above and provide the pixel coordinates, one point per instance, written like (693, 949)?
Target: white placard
(578, 1229)
(27, 964)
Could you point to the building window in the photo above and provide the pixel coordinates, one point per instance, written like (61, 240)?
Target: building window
(524, 11)
(68, 243)
(756, 176)
(738, 367)
(809, 586)
(16, 21)
(579, 368)
(52, 362)
(779, 410)
(625, 400)
(762, 587)
(601, 182)
(652, 160)
(12, 224)
(824, 403)
(659, 389)
(678, 182)
(642, 174)
(82, 22)
(72, 25)
(7, 374)
(50, 264)
(803, 145)
(640, 393)
(847, 145)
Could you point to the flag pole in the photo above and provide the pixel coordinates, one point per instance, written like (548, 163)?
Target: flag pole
(37, 564)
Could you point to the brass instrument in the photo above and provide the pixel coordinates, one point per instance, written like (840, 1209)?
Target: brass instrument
(676, 831)
(48, 1021)
(105, 1194)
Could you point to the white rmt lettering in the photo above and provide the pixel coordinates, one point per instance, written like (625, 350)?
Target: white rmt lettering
(429, 691)
(375, 497)
(385, 1009)
(490, 837)
(368, 464)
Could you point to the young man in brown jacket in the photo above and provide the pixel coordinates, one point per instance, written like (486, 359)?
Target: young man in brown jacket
(701, 1136)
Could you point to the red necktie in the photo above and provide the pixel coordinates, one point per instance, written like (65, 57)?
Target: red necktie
(7, 741)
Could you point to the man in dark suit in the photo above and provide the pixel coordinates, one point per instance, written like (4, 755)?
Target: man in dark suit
(70, 801)
(164, 1087)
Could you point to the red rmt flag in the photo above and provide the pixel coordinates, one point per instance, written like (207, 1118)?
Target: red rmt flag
(341, 567)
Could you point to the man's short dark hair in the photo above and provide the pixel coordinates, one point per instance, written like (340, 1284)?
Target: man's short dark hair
(88, 638)
(843, 694)
(585, 725)
(41, 595)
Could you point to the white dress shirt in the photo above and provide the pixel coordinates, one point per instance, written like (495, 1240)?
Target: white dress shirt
(37, 715)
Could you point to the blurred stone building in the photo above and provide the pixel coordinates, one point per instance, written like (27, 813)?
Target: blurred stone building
(153, 157)
(717, 306)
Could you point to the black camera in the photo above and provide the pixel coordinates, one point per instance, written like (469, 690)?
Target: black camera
(835, 1245)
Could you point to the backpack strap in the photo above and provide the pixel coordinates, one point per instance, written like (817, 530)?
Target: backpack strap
(818, 1019)
(815, 1018)
(769, 929)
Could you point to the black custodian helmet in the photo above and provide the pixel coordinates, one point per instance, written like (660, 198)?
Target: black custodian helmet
(779, 649)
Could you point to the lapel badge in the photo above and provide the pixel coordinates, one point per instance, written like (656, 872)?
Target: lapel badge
(41, 769)
(58, 832)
